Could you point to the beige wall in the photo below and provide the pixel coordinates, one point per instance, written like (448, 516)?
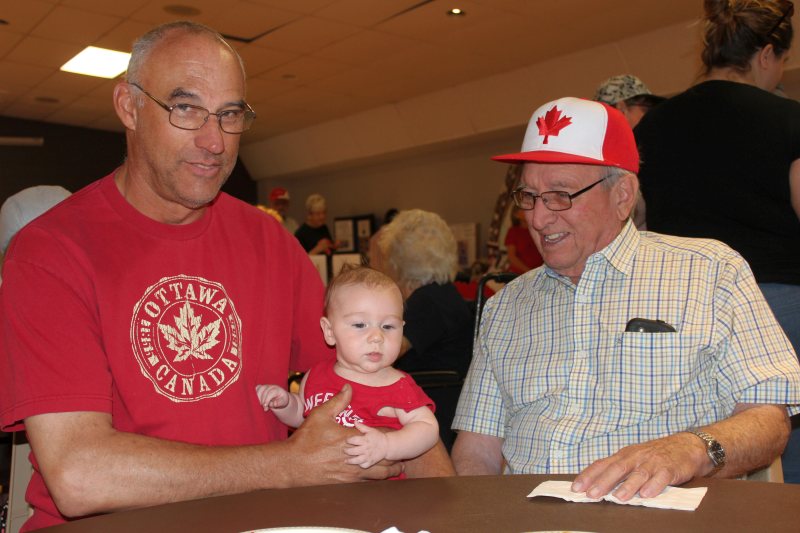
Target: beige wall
(459, 182)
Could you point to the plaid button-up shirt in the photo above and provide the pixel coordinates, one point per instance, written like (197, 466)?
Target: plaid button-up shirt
(557, 377)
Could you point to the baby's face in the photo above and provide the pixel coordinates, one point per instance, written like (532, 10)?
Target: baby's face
(366, 325)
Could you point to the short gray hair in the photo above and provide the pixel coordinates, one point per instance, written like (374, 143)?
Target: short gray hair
(315, 202)
(419, 248)
(144, 45)
(613, 174)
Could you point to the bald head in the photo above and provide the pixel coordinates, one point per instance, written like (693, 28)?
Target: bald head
(144, 45)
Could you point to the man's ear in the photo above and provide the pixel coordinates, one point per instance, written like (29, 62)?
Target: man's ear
(626, 193)
(327, 331)
(125, 105)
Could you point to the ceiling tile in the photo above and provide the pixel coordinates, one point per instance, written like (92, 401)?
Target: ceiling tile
(364, 13)
(304, 70)
(365, 47)
(22, 16)
(19, 75)
(432, 23)
(119, 9)
(259, 59)
(248, 21)
(259, 90)
(74, 25)
(7, 42)
(303, 6)
(66, 84)
(122, 36)
(43, 52)
(307, 35)
(153, 12)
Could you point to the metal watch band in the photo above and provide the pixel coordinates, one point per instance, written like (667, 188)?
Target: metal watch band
(714, 450)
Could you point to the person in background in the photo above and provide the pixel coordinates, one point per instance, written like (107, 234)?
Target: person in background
(635, 360)
(138, 315)
(279, 201)
(364, 321)
(630, 95)
(522, 252)
(314, 235)
(418, 250)
(24, 206)
(734, 174)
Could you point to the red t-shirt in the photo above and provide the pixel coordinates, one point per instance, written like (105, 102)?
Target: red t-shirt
(168, 328)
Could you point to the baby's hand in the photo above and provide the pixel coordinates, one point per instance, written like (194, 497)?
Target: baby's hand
(367, 449)
(272, 396)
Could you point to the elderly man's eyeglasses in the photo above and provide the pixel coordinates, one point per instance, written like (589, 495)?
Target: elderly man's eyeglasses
(192, 117)
(552, 200)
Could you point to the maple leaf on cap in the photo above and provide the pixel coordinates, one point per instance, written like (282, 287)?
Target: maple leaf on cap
(552, 123)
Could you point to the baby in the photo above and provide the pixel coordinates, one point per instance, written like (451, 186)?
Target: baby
(364, 320)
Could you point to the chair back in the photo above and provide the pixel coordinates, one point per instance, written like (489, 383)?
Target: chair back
(444, 388)
(499, 277)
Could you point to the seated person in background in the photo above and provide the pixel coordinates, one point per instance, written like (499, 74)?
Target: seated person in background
(630, 95)
(418, 250)
(138, 315)
(560, 384)
(314, 235)
(364, 321)
(522, 252)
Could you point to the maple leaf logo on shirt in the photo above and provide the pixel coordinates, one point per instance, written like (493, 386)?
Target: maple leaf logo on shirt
(552, 123)
(188, 338)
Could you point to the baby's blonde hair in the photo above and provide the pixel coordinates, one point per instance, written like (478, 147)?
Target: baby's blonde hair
(357, 275)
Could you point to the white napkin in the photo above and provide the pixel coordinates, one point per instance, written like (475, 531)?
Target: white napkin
(670, 498)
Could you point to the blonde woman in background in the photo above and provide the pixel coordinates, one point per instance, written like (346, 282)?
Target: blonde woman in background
(314, 235)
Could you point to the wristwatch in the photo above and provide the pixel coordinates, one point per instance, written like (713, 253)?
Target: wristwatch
(714, 450)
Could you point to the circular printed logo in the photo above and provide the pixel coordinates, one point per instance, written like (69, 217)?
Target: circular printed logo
(186, 336)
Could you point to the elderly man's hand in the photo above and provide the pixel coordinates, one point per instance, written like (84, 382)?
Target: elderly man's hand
(646, 468)
(319, 446)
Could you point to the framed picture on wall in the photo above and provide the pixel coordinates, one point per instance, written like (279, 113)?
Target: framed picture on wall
(353, 233)
(466, 235)
(344, 234)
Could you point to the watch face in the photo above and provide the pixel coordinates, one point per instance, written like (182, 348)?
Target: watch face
(716, 453)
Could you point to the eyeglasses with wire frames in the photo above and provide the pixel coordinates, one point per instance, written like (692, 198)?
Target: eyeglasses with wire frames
(192, 117)
(552, 200)
(786, 14)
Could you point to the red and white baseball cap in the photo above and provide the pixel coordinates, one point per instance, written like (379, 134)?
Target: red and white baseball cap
(574, 130)
(278, 193)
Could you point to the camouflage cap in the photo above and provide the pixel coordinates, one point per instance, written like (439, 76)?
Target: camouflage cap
(619, 88)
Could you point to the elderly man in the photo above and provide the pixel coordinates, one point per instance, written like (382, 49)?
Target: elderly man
(139, 314)
(634, 359)
(279, 201)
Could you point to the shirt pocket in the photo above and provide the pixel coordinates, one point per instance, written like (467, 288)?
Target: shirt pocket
(649, 373)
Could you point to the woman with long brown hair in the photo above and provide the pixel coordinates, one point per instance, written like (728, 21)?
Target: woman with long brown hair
(722, 159)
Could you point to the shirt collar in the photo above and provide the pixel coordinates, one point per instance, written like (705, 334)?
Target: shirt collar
(621, 251)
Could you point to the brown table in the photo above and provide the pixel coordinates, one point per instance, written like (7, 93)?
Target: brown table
(492, 504)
